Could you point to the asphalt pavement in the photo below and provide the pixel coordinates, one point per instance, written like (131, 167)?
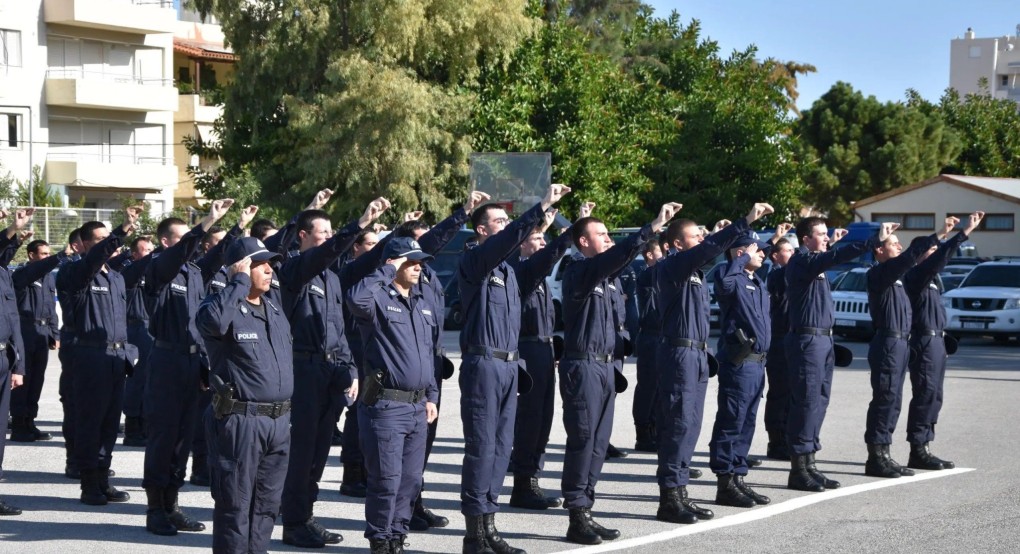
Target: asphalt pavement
(975, 508)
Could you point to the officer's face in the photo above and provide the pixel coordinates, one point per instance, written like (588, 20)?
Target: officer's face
(534, 243)
(781, 256)
(98, 235)
(369, 241)
(496, 220)
(41, 253)
(322, 229)
(690, 236)
(409, 274)
(261, 278)
(142, 249)
(653, 256)
(212, 240)
(595, 239)
(755, 261)
(174, 235)
(890, 249)
(818, 240)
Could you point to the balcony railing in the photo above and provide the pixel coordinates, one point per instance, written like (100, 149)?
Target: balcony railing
(106, 157)
(112, 77)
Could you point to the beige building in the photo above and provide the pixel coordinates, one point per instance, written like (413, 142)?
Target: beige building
(921, 208)
(87, 93)
(995, 59)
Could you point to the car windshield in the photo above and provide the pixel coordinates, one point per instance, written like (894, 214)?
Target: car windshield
(993, 276)
(853, 281)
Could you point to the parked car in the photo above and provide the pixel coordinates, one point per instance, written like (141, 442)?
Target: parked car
(850, 304)
(954, 269)
(987, 302)
(950, 281)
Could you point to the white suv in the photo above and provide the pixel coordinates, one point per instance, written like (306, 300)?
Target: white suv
(987, 302)
(850, 305)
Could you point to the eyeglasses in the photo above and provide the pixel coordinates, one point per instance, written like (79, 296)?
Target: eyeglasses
(500, 220)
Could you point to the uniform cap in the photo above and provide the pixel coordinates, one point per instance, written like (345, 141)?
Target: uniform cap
(249, 246)
(405, 247)
(748, 239)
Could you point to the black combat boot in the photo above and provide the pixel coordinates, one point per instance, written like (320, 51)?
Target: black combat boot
(111, 493)
(328, 536)
(529, 496)
(426, 516)
(353, 482)
(777, 449)
(134, 431)
(818, 476)
(614, 452)
(727, 493)
(40, 435)
(379, 546)
(8, 510)
(21, 430)
(474, 537)
(694, 473)
(690, 506)
(338, 437)
(580, 531)
(302, 536)
(604, 533)
(91, 490)
(199, 470)
(922, 458)
(800, 479)
(397, 545)
(646, 439)
(905, 472)
(759, 499)
(156, 520)
(671, 508)
(496, 542)
(878, 464)
(182, 521)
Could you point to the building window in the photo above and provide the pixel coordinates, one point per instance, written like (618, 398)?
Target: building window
(975, 51)
(10, 131)
(908, 222)
(1003, 80)
(10, 48)
(994, 223)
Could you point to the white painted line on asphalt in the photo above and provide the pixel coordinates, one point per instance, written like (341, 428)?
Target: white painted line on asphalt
(766, 512)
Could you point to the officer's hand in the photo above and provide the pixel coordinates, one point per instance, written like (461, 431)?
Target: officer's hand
(760, 210)
(378, 227)
(886, 230)
(751, 249)
(247, 216)
(397, 262)
(352, 393)
(374, 209)
(3, 214)
(720, 225)
(26, 235)
(320, 199)
(240, 266)
(837, 235)
(219, 208)
(667, 212)
(587, 208)
(413, 216)
(131, 215)
(431, 412)
(547, 220)
(475, 199)
(973, 221)
(17, 381)
(781, 230)
(56, 345)
(23, 217)
(553, 195)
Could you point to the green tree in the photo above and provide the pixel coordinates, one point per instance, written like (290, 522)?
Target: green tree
(368, 97)
(855, 146)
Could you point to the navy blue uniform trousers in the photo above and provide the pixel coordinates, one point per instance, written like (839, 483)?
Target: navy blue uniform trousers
(589, 398)
(488, 410)
(134, 386)
(927, 378)
(247, 466)
(98, 390)
(683, 383)
(66, 392)
(393, 435)
(777, 400)
(169, 406)
(5, 405)
(810, 360)
(25, 399)
(740, 389)
(647, 387)
(534, 410)
(888, 358)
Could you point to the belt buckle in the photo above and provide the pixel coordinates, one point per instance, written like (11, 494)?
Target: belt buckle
(415, 396)
(276, 409)
(117, 345)
(511, 356)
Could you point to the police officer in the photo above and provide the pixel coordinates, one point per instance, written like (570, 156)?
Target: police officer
(683, 356)
(248, 424)
(102, 355)
(12, 367)
(777, 400)
(889, 350)
(810, 350)
(928, 345)
(490, 363)
(65, 356)
(34, 285)
(588, 372)
(133, 272)
(535, 409)
(619, 300)
(400, 391)
(649, 327)
(744, 339)
(324, 372)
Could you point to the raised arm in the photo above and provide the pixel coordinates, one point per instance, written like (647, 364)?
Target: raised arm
(218, 310)
(532, 272)
(886, 273)
(33, 271)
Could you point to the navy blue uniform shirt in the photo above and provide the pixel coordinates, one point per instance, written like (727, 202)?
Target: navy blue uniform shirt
(925, 299)
(98, 297)
(650, 321)
(778, 304)
(887, 301)
(807, 289)
(537, 310)
(139, 304)
(743, 304)
(10, 327)
(36, 287)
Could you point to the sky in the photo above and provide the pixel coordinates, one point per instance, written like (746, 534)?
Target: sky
(881, 48)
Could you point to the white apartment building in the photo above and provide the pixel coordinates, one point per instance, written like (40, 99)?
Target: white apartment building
(995, 59)
(87, 93)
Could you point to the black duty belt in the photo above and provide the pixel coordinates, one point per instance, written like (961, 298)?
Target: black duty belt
(316, 356)
(752, 357)
(541, 339)
(893, 334)
(591, 356)
(408, 396)
(115, 345)
(35, 321)
(501, 354)
(813, 331)
(271, 409)
(931, 333)
(136, 321)
(179, 348)
(686, 343)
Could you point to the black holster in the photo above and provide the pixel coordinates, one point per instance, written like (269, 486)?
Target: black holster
(739, 352)
(223, 396)
(372, 387)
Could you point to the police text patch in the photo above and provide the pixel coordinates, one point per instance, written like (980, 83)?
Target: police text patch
(178, 287)
(392, 309)
(247, 336)
(496, 281)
